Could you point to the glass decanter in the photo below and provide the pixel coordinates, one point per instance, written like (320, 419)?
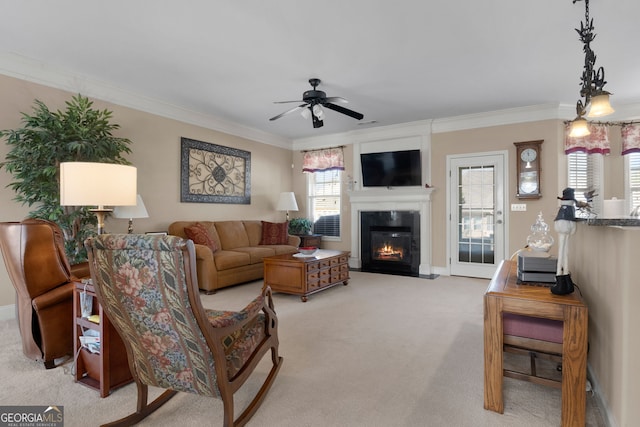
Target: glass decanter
(540, 240)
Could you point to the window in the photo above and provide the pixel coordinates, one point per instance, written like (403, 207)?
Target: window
(585, 174)
(632, 180)
(324, 202)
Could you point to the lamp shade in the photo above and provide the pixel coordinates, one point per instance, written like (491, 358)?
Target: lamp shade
(600, 106)
(97, 184)
(287, 202)
(136, 211)
(579, 127)
(318, 111)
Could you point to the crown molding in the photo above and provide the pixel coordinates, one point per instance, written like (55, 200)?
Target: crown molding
(503, 117)
(420, 128)
(24, 68)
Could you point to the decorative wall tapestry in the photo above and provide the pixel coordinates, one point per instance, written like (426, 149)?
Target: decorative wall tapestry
(213, 173)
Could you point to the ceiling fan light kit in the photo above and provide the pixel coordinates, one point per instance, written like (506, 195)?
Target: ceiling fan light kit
(312, 105)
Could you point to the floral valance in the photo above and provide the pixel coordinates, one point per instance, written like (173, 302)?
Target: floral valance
(323, 160)
(630, 138)
(595, 143)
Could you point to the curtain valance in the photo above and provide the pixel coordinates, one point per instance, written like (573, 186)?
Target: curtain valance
(323, 160)
(595, 143)
(630, 138)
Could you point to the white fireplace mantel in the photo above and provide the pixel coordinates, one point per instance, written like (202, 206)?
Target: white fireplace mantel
(392, 199)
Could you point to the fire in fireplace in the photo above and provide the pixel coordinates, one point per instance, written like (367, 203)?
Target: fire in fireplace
(390, 242)
(388, 252)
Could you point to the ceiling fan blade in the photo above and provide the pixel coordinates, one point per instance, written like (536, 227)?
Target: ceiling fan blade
(343, 110)
(336, 99)
(285, 102)
(293, 110)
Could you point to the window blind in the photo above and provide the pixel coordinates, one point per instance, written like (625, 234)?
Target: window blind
(585, 175)
(324, 198)
(632, 180)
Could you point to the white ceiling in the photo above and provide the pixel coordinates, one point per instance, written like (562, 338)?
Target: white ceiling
(395, 62)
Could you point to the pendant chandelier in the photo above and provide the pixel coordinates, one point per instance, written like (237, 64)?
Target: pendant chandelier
(594, 100)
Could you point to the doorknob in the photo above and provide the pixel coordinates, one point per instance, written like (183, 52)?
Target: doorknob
(499, 221)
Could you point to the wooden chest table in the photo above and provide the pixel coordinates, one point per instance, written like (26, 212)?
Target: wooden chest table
(505, 295)
(297, 275)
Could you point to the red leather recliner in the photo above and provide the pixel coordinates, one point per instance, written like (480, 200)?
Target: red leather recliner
(33, 252)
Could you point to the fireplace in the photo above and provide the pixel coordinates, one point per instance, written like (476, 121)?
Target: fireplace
(390, 242)
(414, 200)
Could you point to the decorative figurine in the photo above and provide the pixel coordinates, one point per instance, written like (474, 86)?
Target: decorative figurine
(565, 225)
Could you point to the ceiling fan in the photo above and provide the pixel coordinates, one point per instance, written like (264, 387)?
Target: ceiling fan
(312, 102)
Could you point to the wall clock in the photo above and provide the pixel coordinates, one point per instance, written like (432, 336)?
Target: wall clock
(528, 172)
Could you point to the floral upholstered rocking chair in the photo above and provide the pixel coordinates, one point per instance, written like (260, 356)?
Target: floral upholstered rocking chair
(147, 285)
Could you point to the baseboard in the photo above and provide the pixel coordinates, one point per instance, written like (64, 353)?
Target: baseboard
(440, 271)
(7, 312)
(603, 406)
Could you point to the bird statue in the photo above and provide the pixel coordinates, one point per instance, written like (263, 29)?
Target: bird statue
(586, 207)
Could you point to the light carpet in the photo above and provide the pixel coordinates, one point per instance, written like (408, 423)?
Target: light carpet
(382, 351)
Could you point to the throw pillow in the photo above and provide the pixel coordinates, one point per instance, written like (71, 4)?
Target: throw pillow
(200, 235)
(275, 233)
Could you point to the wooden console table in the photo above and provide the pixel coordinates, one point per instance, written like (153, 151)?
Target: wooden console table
(504, 294)
(304, 276)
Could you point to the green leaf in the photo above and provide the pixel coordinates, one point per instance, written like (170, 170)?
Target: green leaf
(47, 138)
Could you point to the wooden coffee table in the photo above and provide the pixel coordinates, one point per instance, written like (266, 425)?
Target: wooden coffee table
(306, 275)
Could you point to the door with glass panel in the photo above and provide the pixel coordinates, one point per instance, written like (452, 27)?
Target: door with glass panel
(476, 213)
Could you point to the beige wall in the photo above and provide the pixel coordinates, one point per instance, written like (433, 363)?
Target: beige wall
(498, 138)
(156, 154)
(604, 263)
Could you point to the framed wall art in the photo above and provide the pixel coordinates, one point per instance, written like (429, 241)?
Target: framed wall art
(211, 173)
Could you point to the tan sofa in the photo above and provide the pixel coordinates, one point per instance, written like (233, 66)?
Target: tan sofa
(239, 258)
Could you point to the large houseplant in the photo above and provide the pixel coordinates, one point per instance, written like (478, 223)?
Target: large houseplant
(47, 138)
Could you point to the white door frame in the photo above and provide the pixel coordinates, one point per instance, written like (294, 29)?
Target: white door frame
(502, 158)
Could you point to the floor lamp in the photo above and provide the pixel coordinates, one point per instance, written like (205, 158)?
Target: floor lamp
(97, 184)
(136, 211)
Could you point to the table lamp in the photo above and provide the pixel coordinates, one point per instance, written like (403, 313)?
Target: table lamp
(97, 184)
(287, 202)
(136, 211)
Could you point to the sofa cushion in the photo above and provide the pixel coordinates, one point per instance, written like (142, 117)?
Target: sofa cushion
(232, 234)
(254, 231)
(282, 249)
(201, 236)
(231, 259)
(256, 253)
(275, 233)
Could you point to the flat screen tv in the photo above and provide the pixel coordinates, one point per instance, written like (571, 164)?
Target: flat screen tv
(391, 169)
